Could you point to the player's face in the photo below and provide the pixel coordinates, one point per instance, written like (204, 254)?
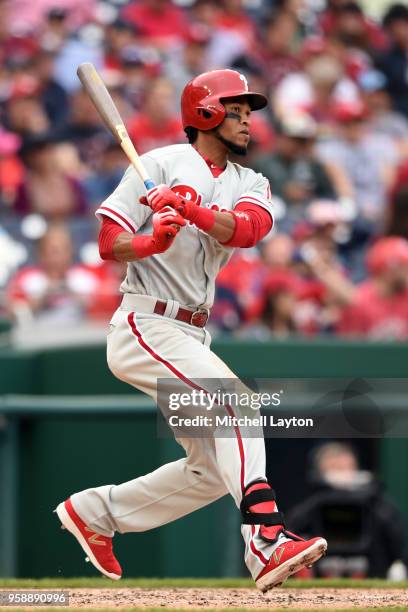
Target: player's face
(234, 130)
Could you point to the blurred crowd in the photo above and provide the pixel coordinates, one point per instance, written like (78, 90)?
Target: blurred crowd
(333, 142)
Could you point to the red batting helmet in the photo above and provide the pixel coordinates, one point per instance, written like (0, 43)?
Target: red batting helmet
(201, 100)
(387, 253)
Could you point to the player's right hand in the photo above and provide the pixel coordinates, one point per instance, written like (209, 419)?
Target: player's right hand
(160, 196)
(166, 225)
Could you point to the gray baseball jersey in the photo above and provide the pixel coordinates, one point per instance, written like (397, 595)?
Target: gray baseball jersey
(186, 272)
(143, 347)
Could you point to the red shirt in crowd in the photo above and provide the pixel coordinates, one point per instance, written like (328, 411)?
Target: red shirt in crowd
(162, 25)
(262, 134)
(147, 135)
(240, 24)
(92, 290)
(375, 35)
(278, 65)
(244, 276)
(376, 316)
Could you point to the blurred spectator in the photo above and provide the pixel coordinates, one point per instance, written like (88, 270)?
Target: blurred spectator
(14, 44)
(276, 52)
(157, 124)
(325, 287)
(11, 169)
(367, 161)
(315, 88)
(353, 61)
(109, 167)
(381, 116)
(25, 15)
(316, 284)
(277, 251)
(12, 256)
(53, 97)
(295, 175)
(397, 222)
(54, 29)
(139, 65)
(394, 62)
(25, 113)
(240, 295)
(83, 46)
(277, 318)
(84, 127)
(159, 22)
(57, 291)
(118, 36)
(46, 189)
(225, 44)
(186, 61)
(241, 283)
(347, 21)
(234, 17)
(379, 306)
(363, 526)
(226, 313)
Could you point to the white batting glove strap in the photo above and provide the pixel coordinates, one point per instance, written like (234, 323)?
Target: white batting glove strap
(166, 213)
(150, 193)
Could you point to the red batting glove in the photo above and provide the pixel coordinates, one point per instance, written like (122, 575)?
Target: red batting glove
(166, 225)
(160, 196)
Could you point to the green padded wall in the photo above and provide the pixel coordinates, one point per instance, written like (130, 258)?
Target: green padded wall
(68, 446)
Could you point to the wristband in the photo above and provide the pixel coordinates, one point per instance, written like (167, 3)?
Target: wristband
(203, 218)
(144, 246)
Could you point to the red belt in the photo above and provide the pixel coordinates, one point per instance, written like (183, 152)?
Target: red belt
(198, 318)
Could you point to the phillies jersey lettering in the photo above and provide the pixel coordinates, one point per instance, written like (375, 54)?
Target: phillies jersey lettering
(186, 272)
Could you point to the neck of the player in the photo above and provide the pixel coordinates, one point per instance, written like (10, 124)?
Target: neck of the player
(212, 148)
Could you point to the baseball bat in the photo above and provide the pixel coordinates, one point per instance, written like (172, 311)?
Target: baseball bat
(100, 96)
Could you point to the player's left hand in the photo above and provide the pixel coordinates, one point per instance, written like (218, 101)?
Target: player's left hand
(166, 225)
(160, 196)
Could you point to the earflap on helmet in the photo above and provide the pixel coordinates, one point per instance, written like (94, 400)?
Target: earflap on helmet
(205, 115)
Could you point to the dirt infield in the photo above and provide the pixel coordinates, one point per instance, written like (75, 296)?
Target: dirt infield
(218, 594)
(193, 598)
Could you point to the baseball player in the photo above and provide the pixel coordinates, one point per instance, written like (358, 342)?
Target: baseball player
(175, 240)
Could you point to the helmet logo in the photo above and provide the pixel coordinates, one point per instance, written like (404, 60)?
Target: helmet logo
(243, 78)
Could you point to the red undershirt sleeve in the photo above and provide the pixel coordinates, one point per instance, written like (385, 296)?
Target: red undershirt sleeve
(142, 245)
(107, 236)
(252, 223)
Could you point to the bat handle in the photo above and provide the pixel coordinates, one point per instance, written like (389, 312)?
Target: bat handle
(149, 184)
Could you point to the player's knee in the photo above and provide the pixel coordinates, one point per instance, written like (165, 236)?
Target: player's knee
(209, 481)
(208, 475)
